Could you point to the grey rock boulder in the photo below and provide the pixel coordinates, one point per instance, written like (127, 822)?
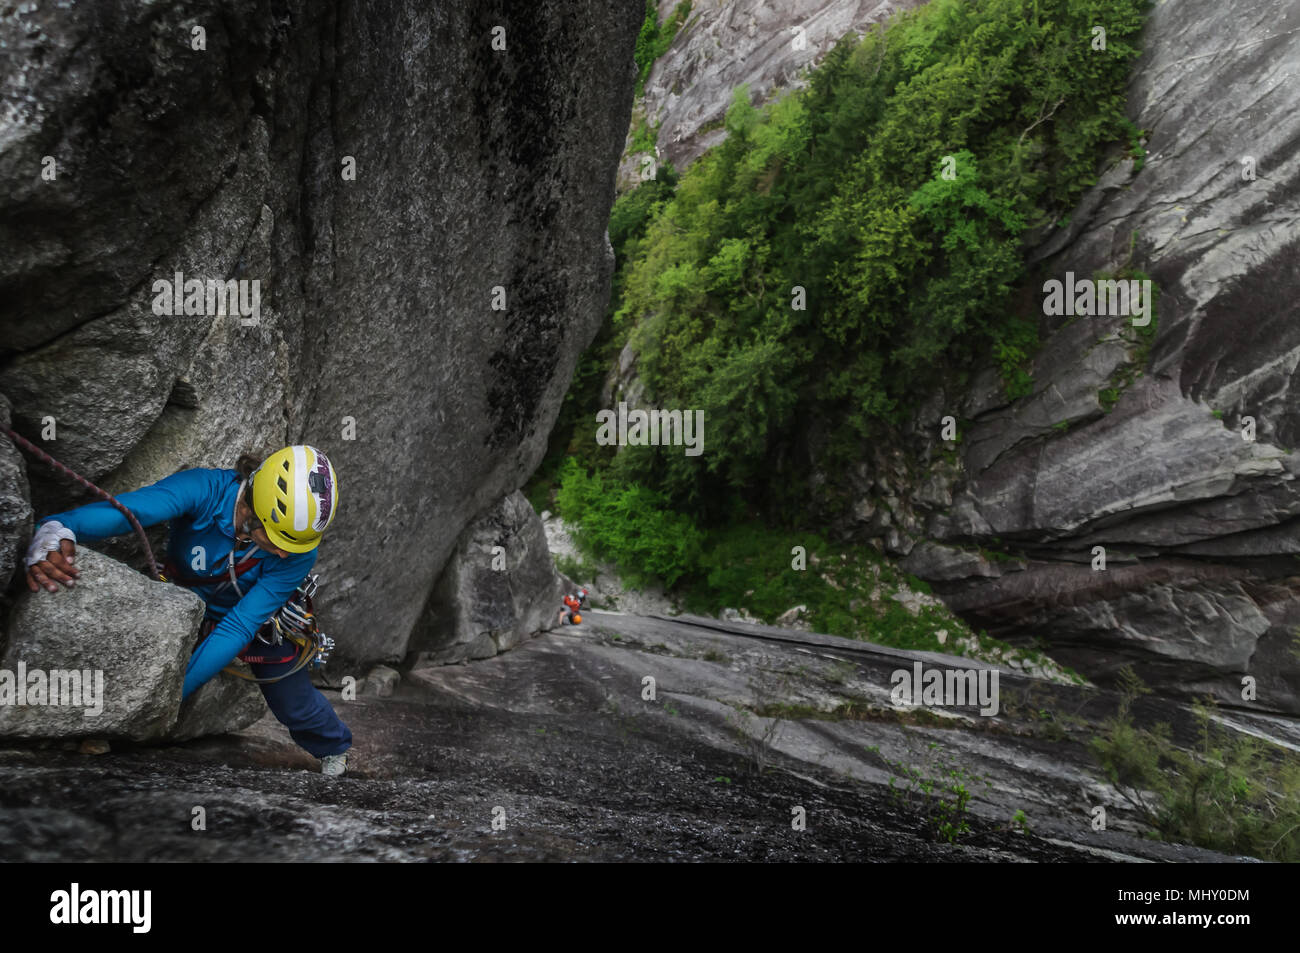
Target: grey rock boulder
(499, 588)
(128, 639)
(222, 705)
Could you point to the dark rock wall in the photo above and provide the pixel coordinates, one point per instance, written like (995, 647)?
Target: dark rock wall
(475, 168)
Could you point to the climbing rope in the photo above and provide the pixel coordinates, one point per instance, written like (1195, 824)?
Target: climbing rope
(154, 569)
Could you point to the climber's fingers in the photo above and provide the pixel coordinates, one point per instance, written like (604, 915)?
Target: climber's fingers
(64, 558)
(37, 580)
(47, 570)
(54, 571)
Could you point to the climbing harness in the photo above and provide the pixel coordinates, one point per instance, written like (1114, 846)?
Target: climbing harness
(295, 620)
(171, 573)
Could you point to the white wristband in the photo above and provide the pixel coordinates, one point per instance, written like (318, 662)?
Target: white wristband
(48, 536)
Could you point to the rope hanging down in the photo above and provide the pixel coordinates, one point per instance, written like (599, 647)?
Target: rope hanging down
(38, 453)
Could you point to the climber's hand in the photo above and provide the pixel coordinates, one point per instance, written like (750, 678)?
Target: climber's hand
(57, 565)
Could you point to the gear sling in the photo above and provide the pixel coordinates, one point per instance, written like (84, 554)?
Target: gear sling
(294, 621)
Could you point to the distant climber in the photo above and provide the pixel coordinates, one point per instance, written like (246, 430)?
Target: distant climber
(277, 507)
(571, 614)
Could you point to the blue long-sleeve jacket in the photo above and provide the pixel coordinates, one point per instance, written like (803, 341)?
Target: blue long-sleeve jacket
(200, 504)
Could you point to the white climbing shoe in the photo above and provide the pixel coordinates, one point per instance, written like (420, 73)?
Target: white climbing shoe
(334, 764)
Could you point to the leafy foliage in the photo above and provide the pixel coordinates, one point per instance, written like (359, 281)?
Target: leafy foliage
(653, 40)
(1230, 792)
(940, 791)
(628, 525)
(896, 192)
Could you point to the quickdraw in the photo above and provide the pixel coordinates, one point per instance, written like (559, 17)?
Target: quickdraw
(296, 621)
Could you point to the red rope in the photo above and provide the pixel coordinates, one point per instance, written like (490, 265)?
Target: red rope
(135, 523)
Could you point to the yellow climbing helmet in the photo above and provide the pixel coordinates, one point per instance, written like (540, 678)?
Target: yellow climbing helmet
(295, 496)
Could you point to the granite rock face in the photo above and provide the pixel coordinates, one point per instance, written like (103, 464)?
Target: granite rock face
(499, 587)
(421, 192)
(1179, 467)
(768, 45)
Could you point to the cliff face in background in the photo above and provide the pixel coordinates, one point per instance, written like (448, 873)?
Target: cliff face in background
(475, 168)
(1200, 527)
(725, 44)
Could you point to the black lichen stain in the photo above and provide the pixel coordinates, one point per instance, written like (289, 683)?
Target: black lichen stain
(524, 99)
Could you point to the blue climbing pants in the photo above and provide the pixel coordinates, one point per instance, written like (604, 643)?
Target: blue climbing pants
(295, 701)
(299, 706)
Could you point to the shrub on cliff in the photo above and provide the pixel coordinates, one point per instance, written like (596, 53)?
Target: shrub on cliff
(895, 192)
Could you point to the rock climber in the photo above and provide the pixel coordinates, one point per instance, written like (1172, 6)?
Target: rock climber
(261, 522)
(573, 606)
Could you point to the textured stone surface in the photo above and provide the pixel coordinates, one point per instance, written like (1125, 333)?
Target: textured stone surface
(558, 734)
(1199, 526)
(15, 510)
(220, 706)
(381, 680)
(725, 44)
(137, 632)
(488, 601)
(475, 168)
(943, 563)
